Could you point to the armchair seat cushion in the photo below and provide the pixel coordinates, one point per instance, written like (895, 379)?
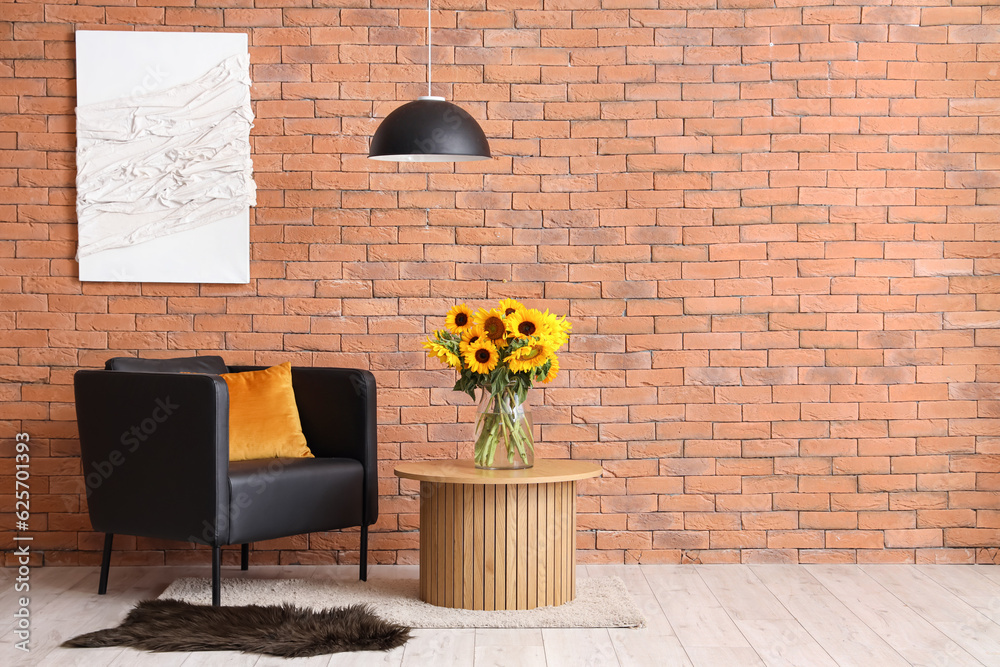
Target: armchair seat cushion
(299, 495)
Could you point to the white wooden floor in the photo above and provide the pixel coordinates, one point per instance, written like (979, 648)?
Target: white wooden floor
(729, 615)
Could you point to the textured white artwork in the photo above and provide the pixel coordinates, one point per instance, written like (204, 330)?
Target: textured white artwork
(164, 175)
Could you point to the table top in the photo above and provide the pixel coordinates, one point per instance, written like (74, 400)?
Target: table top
(545, 471)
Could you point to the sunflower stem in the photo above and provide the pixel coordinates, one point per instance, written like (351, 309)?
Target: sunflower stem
(502, 424)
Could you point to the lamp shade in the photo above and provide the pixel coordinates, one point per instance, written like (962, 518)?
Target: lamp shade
(429, 130)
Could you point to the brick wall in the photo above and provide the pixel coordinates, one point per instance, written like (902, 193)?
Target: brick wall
(773, 226)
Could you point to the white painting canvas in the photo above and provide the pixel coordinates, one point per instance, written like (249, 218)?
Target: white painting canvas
(164, 174)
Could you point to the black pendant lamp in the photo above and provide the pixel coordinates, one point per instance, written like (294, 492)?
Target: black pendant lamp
(429, 129)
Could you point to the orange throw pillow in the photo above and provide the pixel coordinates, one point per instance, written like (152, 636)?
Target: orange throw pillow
(263, 418)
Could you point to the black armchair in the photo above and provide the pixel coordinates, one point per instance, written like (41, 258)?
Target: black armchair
(155, 451)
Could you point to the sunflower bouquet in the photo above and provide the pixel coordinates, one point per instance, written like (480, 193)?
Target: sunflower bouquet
(502, 352)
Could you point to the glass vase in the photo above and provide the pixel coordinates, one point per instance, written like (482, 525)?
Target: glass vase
(504, 439)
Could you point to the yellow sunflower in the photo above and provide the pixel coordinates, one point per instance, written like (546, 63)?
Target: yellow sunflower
(482, 356)
(526, 323)
(493, 326)
(459, 318)
(530, 357)
(436, 350)
(469, 336)
(553, 370)
(559, 327)
(510, 306)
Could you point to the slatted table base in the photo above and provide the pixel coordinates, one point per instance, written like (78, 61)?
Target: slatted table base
(507, 546)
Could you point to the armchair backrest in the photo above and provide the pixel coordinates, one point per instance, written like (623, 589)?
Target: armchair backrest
(212, 365)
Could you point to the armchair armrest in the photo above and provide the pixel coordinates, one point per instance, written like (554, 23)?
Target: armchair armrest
(155, 451)
(338, 410)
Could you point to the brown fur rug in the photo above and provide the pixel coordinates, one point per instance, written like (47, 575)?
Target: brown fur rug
(286, 631)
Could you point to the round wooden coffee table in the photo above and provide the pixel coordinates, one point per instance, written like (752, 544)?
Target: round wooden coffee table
(497, 539)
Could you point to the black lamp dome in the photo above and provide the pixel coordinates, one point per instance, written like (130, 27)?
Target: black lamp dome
(429, 129)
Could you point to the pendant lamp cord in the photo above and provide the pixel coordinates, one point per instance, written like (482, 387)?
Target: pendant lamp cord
(428, 48)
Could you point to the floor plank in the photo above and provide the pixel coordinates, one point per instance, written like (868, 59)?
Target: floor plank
(508, 637)
(656, 620)
(575, 647)
(78, 657)
(45, 585)
(970, 585)
(988, 571)
(723, 656)
(955, 618)
(786, 580)
(510, 656)
(79, 609)
(782, 643)
(392, 658)
(220, 659)
(635, 580)
(501, 646)
(766, 624)
(440, 648)
(654, 645)
(741, 593)
(694, 613)
(831, 624)
(901, 627)
(274, 661)
(640, 648)
(133, 658)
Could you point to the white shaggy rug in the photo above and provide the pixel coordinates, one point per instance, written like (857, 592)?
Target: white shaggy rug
(601, 602)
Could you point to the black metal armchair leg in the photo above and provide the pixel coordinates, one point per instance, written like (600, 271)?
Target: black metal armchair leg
(102, 587)
(364, 552)
(245, 556)
(216, 575)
